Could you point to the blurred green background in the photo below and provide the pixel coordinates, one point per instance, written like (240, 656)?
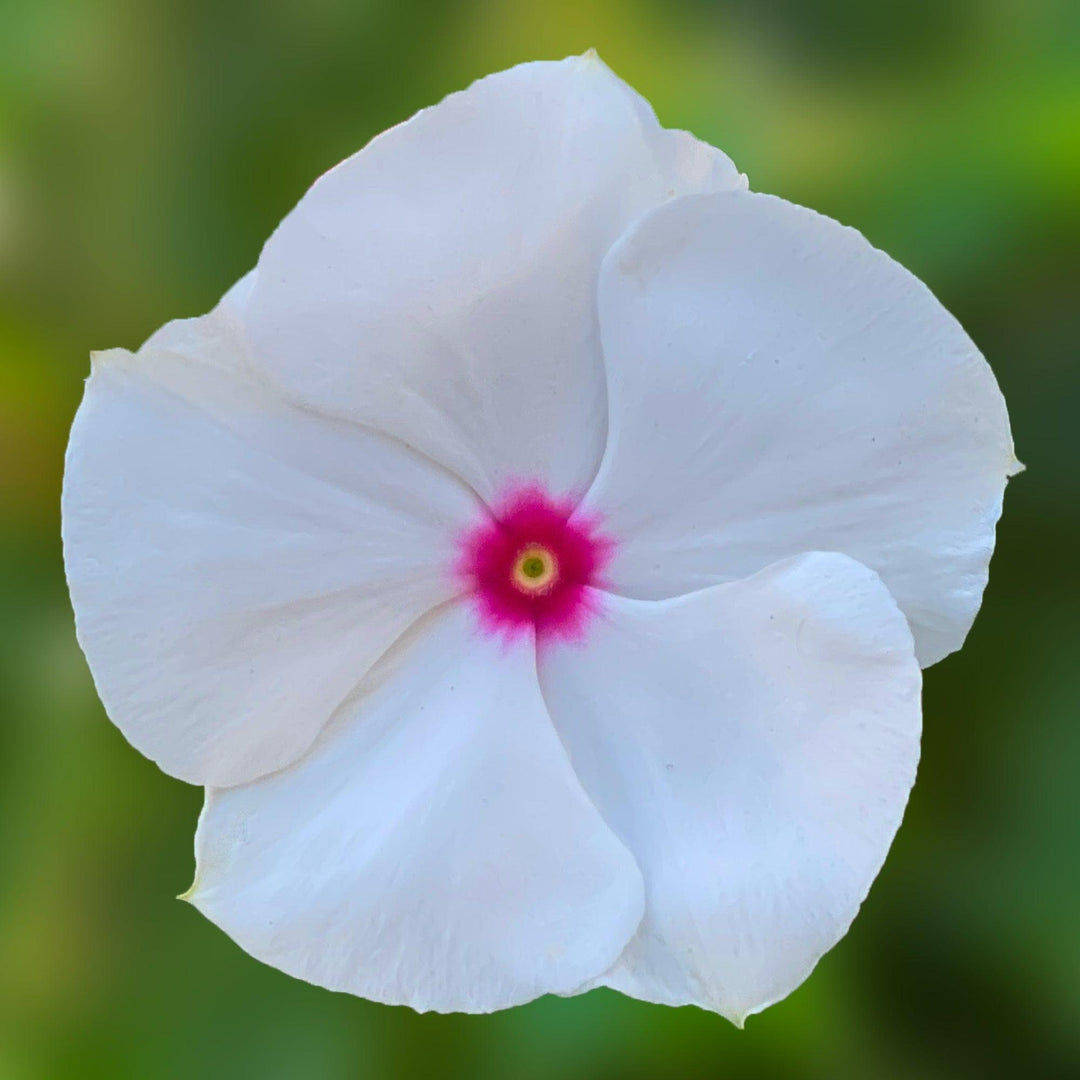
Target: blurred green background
(148, 148)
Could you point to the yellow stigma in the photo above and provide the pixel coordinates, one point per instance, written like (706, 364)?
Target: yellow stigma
(535, 570)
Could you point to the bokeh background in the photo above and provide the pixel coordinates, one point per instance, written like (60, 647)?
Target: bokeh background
(146, 150)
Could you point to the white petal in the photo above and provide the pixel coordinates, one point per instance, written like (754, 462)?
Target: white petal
(433, 849)
(440, 285)
(777, 385)
(236, 565)
(753, 745)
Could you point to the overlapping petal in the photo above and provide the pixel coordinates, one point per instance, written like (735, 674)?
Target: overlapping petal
(440, 285)
(776, 386)
(434, 848)
(236, 564)
(753, 745)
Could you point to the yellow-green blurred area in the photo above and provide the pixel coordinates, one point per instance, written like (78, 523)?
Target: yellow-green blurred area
(146, 151)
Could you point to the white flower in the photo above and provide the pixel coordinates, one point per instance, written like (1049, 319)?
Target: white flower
(527, 555)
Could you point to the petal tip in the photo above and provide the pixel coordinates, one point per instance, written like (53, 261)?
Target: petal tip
(590, 62)
(99, 357)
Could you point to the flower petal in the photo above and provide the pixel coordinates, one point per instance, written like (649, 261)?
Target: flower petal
(814, 396)
(433, 849)
(753, 745)
(440, 285)
(235, 564)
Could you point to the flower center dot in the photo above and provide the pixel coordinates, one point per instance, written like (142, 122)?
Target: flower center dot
(535, 570)
(532, 563)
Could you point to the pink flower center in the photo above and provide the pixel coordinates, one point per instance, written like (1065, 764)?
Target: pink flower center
(530, 565)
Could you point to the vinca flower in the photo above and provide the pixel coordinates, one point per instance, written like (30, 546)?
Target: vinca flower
(534, 557)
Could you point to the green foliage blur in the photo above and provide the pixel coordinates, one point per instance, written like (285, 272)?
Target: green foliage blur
(148, 147)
